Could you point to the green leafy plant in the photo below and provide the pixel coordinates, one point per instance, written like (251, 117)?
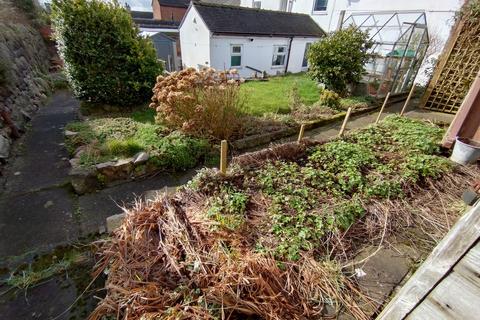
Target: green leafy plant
(338, 60)
(106, 60)
(228, 208)
(330, 99)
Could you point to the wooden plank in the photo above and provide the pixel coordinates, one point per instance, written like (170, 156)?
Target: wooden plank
(412, 90)
(454, 298)
(344, 125)
(469, 266)
(301, 133)
(223, 156)
(442, 259)
(383, 107)
(427, 310)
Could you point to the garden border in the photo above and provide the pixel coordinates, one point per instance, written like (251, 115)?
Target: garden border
(86, 180)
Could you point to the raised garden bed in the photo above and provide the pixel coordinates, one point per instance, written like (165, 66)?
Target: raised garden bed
(110, 145)
(284, 235)
(125, 146)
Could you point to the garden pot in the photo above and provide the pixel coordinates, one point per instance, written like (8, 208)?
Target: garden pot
(465, 151)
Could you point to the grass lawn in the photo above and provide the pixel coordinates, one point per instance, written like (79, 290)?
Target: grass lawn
(273, 95)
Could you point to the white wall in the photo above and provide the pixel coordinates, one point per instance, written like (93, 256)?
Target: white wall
(440, 13)
(257, 53)
(266, 4)
(194, 40)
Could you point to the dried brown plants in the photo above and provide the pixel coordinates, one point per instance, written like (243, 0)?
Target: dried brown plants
(205, 103)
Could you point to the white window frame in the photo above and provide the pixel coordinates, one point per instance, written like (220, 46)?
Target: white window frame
(276, 53)
(305, 52)
(236, 54)
(319, 11)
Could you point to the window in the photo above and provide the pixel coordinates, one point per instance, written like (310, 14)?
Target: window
(279, 53)
(257, 4)
(283, 5)
(320, 5)
(305, 55)
(235, 55)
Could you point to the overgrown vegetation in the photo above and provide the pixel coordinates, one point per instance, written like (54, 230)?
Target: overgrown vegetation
(275, 239)
(105, 139)
(44, 267)
(204, 103)
(338, 60)
(106, 59)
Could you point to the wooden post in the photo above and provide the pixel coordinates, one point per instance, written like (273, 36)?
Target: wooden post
(383, 107)
(300, 134)
(408, 99)
(223, 156)
(344, 125)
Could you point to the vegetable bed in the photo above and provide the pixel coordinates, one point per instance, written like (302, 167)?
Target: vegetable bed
(277, 237)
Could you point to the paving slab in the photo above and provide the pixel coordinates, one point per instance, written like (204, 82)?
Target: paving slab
(94, 208)
(36, 221)
(43, 161)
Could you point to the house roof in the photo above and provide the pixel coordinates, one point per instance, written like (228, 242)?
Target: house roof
(151, 23)
(226, 2)
(222, 19)
(174, 3)
(141, 14)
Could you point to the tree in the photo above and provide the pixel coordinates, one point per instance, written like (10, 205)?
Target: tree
(106, 59)
(338, 60)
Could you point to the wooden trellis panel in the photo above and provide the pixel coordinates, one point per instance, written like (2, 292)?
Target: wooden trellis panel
(457, 68)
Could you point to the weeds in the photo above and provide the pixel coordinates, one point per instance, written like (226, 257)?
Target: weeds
(106, 139)
(37, 272)
(272, 239)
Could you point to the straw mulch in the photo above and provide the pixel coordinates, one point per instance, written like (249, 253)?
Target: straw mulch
(166, 262)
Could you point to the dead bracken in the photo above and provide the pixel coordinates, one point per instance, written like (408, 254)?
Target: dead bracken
(277, 237)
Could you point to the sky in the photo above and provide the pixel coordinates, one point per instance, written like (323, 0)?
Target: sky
(140, 5)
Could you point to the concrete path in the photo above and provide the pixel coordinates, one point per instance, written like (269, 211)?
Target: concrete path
(364, 120)
(38, 211)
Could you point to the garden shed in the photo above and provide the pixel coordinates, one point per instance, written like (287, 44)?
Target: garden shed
(253, 41)
(167, 46)
(400, 41)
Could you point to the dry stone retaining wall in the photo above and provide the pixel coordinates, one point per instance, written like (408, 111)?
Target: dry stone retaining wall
(24, 60)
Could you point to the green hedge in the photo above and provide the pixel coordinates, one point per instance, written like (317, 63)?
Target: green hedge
(106, 60)
(339, 59)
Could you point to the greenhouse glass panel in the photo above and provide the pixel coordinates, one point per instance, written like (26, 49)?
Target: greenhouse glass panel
(400, 43)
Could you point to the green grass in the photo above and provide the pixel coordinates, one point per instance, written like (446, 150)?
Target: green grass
(124, 135)
(273, 95)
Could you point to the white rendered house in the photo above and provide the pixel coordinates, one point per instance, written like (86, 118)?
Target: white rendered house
(440, 14)
(249, 40)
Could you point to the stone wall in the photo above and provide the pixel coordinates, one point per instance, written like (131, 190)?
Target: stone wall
(24, 60)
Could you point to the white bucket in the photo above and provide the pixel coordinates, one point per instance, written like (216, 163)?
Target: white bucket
(465, 151)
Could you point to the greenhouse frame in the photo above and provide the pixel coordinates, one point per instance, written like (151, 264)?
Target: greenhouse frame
(400, 41)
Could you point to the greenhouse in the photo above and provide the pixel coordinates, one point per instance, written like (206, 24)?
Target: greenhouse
(400, 43)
